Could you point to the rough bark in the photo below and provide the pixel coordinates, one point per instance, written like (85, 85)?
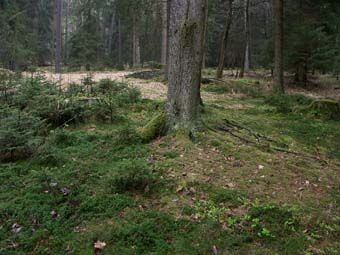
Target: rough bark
(58, 21)
(278, 72)
(187, 23)
(224, 43)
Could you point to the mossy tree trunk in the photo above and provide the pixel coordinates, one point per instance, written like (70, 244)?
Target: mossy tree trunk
(186, 45)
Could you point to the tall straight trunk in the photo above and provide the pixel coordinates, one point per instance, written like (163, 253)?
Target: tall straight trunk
(167, 41)
(186, 39)
(136, 45)
(164, 32)
(58, 50)
(119, 43)
(204, 49)
(278, 72)
(67, 13)
(224, 43)
(247, 36)
(111, 32)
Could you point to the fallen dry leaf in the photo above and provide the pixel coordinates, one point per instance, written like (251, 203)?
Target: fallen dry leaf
(99, 245)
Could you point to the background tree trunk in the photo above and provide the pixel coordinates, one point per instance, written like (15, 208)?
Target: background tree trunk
(164, 32)
(278, 72)
(224, 43)
(136, 45)
(247, 36)
(58, 54)
(186, 39)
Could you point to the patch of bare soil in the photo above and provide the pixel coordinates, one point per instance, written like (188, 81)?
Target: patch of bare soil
(150, 90)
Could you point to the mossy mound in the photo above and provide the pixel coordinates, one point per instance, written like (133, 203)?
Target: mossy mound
(146, 75)
(324, 109)
(156, 127)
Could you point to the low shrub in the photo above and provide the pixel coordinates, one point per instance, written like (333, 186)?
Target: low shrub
(287, 103)
(132, 175)
(127, 135)
(42, 99)
(19, 133)
(112, 97)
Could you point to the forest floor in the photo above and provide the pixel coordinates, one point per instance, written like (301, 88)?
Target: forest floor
(255, 181)
(318, 86)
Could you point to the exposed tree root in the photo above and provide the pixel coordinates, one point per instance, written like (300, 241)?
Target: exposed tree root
(250, 137)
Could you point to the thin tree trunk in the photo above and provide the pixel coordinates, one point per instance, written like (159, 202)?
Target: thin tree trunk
(167, 39)
(224, 43)
(119, 43)
(111, 32)
(58, 55)
(136, 45)
(204, 49)
(278, 72)
(67, 13)
(187, 22)
(247, 33)
(164, 32)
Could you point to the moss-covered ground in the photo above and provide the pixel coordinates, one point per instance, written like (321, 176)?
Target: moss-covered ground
(267, 184)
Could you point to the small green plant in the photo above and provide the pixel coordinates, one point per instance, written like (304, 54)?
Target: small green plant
(209, 210)
(229, 197)
(132, 175)
(19, 133)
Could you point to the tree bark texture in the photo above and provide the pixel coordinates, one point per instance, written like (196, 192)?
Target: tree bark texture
(186, 45)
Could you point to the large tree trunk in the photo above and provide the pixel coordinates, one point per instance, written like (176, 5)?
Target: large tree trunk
(278, 72)
(187, 23)
(224, 43)
(164, 32)
(58, 20)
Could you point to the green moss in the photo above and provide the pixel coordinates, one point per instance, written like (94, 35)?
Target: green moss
(156, 127)
(325, 109)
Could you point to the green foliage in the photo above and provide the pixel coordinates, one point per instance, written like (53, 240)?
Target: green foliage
(132, 175)
(271, 221)
(287, 103)
(42, 99)
(105, 205)
(19, 133)
(324, 109)
(229, 197)
(112, 97)
(127, 135)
